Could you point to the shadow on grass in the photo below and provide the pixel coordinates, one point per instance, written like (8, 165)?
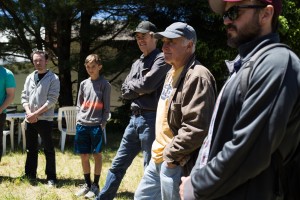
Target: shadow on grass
(23, 179)
(8, 179)
(35, 182)
(125, 195)
(69, 182)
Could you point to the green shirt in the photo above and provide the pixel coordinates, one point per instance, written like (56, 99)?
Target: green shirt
(7, 80)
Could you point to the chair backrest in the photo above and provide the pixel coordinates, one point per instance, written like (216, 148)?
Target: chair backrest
(69, 113)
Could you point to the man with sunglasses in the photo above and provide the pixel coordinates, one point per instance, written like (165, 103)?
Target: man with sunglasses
(238, 158)
(142, 86)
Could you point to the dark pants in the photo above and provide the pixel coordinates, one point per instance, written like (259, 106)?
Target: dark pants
(2, 123)
(44, 129)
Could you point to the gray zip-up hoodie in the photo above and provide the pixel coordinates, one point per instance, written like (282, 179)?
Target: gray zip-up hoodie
(45, 92)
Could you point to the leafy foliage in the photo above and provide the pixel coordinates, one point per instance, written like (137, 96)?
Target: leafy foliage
(68, 30)
(290, 24)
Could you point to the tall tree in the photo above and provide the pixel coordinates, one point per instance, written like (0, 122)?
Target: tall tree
(69, 31)
(35, 24)
(27, 21)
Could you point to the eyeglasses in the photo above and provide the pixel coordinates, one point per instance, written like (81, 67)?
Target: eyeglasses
(233, 12)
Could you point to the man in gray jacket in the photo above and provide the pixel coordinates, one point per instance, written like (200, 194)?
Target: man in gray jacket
(238, 159)
(39, 96)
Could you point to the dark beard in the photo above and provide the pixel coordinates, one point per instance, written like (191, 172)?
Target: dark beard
(246, 34)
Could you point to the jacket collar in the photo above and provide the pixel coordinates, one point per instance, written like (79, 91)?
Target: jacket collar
(247, 50)
(190, 64)
(254, 45)
(150, 55)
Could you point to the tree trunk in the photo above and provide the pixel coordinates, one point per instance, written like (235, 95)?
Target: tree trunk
(63, 54)
(86, 17)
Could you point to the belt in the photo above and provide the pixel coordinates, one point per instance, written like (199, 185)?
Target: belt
(137, 112)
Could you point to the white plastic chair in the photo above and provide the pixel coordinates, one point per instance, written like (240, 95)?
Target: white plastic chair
(6, 133)
(104, 130)
(69, 113)
(11, 134)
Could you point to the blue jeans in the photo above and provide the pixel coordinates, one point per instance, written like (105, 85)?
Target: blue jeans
(139, 135)
(159, 182)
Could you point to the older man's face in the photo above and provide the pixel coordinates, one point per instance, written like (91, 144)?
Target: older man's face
(176, 51)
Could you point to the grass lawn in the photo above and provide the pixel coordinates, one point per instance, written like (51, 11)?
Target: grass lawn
(69, 173)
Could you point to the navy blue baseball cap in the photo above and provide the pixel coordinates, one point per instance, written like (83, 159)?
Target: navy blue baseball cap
(176, 30)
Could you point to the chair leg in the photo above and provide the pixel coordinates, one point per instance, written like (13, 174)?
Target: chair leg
(4, 144)
(104, 135)
(19, 132)
(23, 135)
(12, 140)
(39, 140)
(63, 141)
(5, 133)
(11, 132)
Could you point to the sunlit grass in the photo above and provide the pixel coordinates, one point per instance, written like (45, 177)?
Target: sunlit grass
(69, 174)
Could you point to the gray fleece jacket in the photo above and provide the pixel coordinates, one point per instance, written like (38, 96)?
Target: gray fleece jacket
(45, 92)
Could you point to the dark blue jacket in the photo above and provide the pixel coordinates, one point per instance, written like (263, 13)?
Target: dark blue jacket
(145, 80)
(248, 131)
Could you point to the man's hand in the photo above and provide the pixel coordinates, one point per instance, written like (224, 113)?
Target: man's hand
(181, 187)
(32, 117)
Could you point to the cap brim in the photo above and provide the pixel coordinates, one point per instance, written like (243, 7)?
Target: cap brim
(166, 34)
(217, 6)
(139, 31)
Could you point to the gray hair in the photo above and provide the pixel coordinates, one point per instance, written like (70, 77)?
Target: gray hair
(186, 41)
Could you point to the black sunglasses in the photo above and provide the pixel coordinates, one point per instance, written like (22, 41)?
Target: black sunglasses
(233, 12)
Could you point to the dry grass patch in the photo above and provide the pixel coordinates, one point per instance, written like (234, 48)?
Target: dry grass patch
(69, 174)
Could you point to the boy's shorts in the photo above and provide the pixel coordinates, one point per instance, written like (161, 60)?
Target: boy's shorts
(88, 139)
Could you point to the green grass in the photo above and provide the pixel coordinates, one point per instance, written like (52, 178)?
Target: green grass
(69, 173)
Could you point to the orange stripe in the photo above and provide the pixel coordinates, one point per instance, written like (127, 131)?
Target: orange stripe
(95, 105)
